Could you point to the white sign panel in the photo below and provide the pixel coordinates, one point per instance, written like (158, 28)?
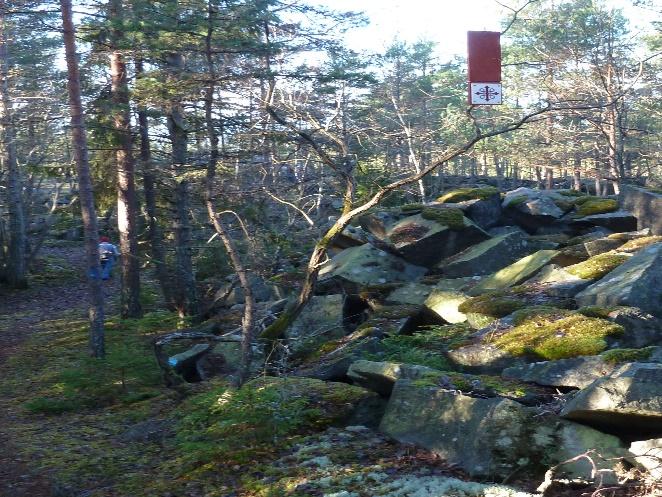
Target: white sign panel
(485, 93)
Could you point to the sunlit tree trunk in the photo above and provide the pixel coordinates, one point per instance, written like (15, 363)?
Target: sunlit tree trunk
(126, 188)
(86, 193)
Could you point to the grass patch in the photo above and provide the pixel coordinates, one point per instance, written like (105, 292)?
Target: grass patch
(463, 194)
(597, 266)
(552, 335)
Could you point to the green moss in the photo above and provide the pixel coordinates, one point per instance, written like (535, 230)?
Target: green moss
(552, 338)
(571, 193)
(453, 218)
(411, 207)
(564, 205)
(426, 347)
(598, 266)
(522, 316)
(492, 304)
(618, 356)
(469, 383)
(639, 243)
(520, 199)
(240, 425)
(588, 206)
(595, 311)
(462, 194)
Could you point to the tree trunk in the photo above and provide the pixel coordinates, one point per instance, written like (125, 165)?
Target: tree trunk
(549, 176)
(16, 273)
(154, 230)
(186, 298)
(126, 188)
(86, 193)
(247, 323)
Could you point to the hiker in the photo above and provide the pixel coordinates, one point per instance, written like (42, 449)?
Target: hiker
(108, 254)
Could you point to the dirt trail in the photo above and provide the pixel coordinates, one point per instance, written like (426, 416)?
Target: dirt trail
(21, 314)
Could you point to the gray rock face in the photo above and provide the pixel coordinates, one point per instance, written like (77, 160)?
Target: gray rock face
(369, 266)
(516, 273)
(578, 372)
(381, 376)
(629, 399)
(648, 453)
(488, 256)
(485, 213)
(602, 245)
(412, 293)
(615, 221)
(641, 329)
(481, 358)
(320, 321)
(645, 205)
(532, 208)
(445, 303)
(425, 242)
(637, 283)
(491, 438)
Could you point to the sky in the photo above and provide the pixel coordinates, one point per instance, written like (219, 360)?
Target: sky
(443, 21)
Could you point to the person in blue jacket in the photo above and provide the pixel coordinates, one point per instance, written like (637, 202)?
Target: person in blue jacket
(108, 255)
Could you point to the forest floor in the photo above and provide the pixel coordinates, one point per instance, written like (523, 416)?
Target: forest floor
(22, 314)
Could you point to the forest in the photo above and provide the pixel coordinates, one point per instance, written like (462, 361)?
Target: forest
(241, 256)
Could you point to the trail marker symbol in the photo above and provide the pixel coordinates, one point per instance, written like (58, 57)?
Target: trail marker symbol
(484, 67)
(485, 94)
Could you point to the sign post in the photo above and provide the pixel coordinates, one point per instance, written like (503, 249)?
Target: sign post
(484, 72)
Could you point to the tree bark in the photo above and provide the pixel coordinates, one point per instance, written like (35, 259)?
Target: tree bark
(86, 193)
(186, 298)
(126, 188)
(154, 230)
(16, 273)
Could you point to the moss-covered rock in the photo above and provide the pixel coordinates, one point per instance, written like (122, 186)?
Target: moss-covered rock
(588, 206)
(453, 218)
(619, 356)
(639, 243)
(552, 335)
(492, 304)
(516, 273)
(463, 194)
(598, 266)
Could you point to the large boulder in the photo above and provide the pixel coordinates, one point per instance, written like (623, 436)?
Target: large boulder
(516, 273)
(427, 238)
(637, 282)
(368, 266)
(532, 209)
(411, 293)
(445, 304)
(488, 437)
(627, 401)
(488, 256)
(486, 213)
(645, 205)
(575, 372)
(615, 221)
(381, 376)
(320, 321)
(641, 328)
(483, 358)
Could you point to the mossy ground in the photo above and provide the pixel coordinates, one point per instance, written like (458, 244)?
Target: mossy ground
(619, 356)
(598, 266)
(492, 304)
(552, 334)
(463, 194)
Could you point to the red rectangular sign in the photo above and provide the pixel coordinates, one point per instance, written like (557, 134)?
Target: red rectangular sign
(484, 58)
